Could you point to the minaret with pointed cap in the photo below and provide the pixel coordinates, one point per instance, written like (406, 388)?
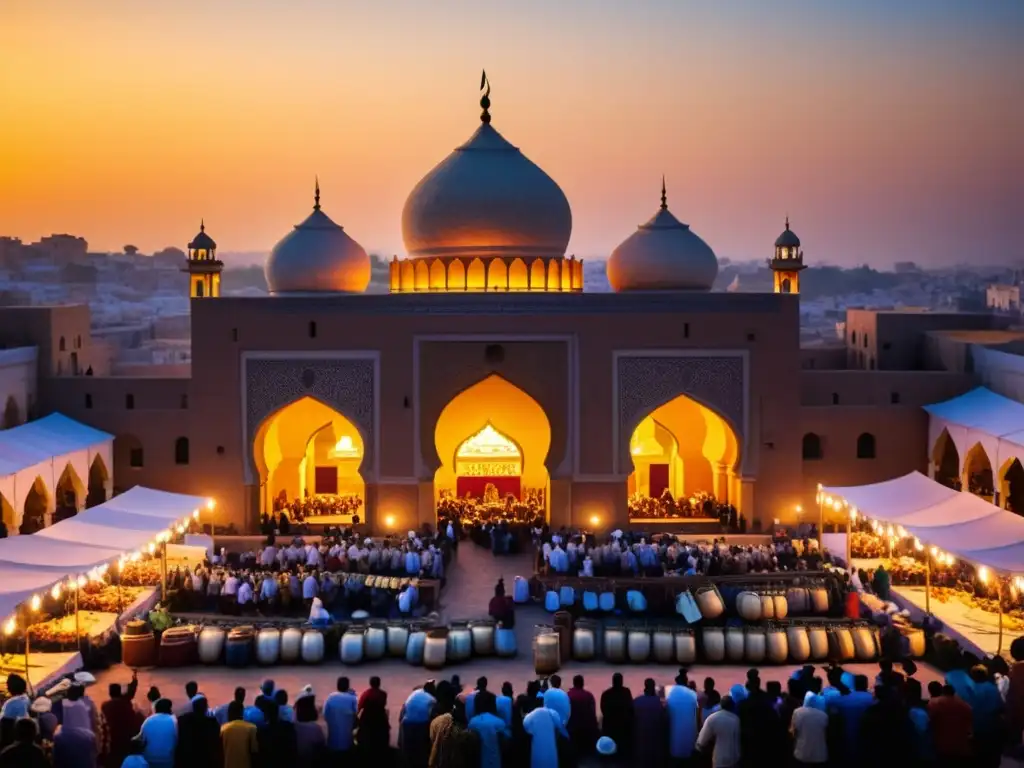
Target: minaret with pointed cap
(203, 267)
(788, 261)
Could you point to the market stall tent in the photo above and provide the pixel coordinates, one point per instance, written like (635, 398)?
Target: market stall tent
(980, 417)
(43, 449)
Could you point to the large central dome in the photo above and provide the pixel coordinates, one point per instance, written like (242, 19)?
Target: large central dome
(486, 199)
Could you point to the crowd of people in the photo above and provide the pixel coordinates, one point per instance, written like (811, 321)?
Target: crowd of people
(288, 577)
(830, 719)
(701, 505)
(634, 554)
(317, 505)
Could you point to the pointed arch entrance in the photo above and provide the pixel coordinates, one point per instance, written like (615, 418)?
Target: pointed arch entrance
(977, 477)
(37, 502)
(99, 478)
(945, 460)
(684, 454)
(493, 441)
(70, 491)
(12, 414)
(9, 515)
(309, 457)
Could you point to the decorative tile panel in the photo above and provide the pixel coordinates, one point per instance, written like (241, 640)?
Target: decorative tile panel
(346, 385)
(645, 383)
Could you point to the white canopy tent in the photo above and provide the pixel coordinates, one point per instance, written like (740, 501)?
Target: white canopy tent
(44, 448)
(980, 417)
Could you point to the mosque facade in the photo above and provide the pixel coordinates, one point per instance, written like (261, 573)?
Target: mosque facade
(489, 366)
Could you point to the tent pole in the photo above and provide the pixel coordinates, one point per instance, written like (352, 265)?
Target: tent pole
(28, 629)
(928, 583)
(821, 525)
(999, 597)
(78, 636)
(163, 572)
(849, 543)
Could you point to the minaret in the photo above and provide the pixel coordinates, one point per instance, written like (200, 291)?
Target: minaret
(203, 267)
(788, 262)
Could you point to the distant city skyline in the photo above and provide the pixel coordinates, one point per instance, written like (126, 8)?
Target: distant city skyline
(887, 132)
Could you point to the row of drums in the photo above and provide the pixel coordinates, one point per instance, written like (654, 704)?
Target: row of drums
(419, 645)
(757, 606)
(771, 644)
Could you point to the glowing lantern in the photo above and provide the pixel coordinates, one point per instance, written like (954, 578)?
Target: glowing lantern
(55, 592)
(36, 603)
(983, 574)
(10, 626)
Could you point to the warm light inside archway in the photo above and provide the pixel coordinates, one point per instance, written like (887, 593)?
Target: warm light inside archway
(492, 432)
(685, 448)
(309, 449)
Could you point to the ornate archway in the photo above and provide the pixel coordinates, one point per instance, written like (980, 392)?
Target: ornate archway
(37, 502)
(683, 458)
(70, 490)
(977, 477)
(9, 515)
(493, 435)
(309, 458)
(945, 459)
(99, 478)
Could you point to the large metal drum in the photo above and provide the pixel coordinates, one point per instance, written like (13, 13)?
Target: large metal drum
(351, 645)
(798, 600)
(663, 646)
(714, 643)
(864, 643)
(638, 642)
(238, 647)
(482, 633)
(584, 642)
(460, 643)
(710, 602)
(375, 641)
(546, 653)
(398, 639)
(552, 602)
(139, 649)
(799, 643)
(211, 644)
(755, 646)
(748, 606)
(312, 646)
(505, 642)
(734, 644)
(781, 606)
(268, 646)
(686, 646)
(841, 645)
(520, 590)
(778, 647)
(819, 599)
(291, 645)
(817, 638)
(179, 647)
(767, 607)
(414, 647)
(435, 649)
(615, 644)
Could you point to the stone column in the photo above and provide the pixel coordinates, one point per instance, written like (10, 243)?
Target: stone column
(108, 489)
(251, 514)
(560, 502)
(721, 482)
(426, 509)
(51, 508)
(369, 512)
(745, 503)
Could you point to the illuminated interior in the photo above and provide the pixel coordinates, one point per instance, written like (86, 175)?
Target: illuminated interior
(686, 448)
(977, 476)
(70, 489)
(492, 433)
(308, 448)
(34, 513)
(7, 510)
(494, 273)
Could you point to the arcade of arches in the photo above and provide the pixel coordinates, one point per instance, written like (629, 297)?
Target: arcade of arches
(42, 508)
(977, 475)
(492, 440)
(686, 449)
(308, 456)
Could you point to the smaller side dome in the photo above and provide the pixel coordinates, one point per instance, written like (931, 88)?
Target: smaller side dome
(202, 241)
(662, 255)
(317, 256)
(788, 238)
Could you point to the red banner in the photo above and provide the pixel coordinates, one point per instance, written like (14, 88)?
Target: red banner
(658, 480)
(326, 480)
(474, 486)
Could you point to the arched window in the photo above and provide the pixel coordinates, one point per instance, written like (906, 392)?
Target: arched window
(181, 451)
(63, 346)
(866, 446)
(812, 447)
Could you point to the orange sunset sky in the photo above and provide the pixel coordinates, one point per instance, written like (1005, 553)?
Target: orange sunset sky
(886, 130)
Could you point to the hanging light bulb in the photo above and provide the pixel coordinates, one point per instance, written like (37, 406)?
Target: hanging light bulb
(918, 545)
(181, 529)
(210, 504)
(195, 514)
(55, 592)
(890, 531)
(901, 532)
(81, 582)
(36, 603)
(983, 574)
(152, 548)
(10, 626)
(935, 551)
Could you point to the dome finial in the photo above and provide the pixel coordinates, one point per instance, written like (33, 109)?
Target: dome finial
(787, 222)
(316, 195)
(485, 101)
(202, 224)
(664, 194)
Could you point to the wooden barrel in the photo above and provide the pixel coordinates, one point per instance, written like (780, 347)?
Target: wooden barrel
(817, 639)
(734, 643)
(398, 639)
(138, 650)
(663, 646)
(638, 642)
(778, 647)
(615, 644)
(137, 627)
(350, 647)
(713, 639)
(211, 644)
(312, 646)
(767, 607)
(799, 643)
(686, 646)
(435, 649)
(710, 602)
(584, 642)
(291, 645)
(482, 633)
(755, 646)
(414, 647)
(748, 606)
(179, 647)
(781, 606)
(268, 646)
(546, 654)
(375, 641)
